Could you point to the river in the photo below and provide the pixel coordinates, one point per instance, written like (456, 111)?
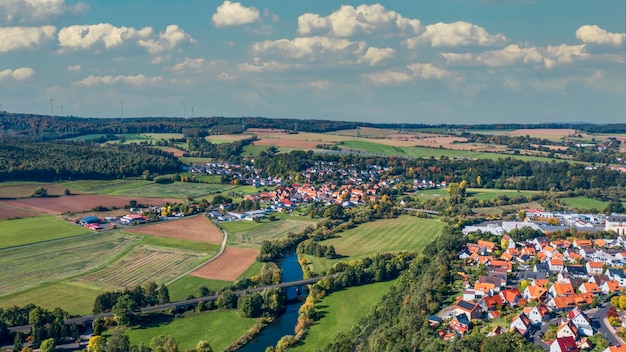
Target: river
(286, 323)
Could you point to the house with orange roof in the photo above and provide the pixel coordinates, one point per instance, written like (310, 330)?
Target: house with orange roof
(595, 268)
(590, 287)
(471, 310)
(537, 314)
(529, 251)
(511, 296)
(489, 246)
(491, 303)
(573, 256)
(502, 264)
(582, 243)
(506, 256)
(548, 251)
(514, 251)
(564, 303)
(610, 286)
(486, 288)
(561, 289)
(600, 243)
(521, 324)
(555, 264)
(485, 260)
(558, 255)
(539, 293)
(567, 329)
(621, 348)
(541, 282)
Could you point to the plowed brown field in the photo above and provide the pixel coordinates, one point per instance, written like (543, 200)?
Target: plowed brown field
(228, 266)
(78, 203)
(197, 228)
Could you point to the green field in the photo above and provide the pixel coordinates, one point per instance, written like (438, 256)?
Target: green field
(341, 311)
(488, 194)
(406, 233)
(513, 208)
(87, 137)
(250, 232)
(157, 241)
(219, 328)
(42, 263)
(585, 203)
(173, 190)
(194, 160)
(37, 229)
(435, 192)
(55, 295)
(105, 186)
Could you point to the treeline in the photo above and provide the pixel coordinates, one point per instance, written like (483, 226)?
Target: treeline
(148, 295)
(48, 161)
(199, 147)
(313, 247)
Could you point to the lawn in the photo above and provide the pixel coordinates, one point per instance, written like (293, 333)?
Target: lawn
(405, 233)
(73, 298)
(585, 203)
(219, 328)
(488, 194)
(105, 186)
(157, 241)
(373, 147)
(250, 232)
(43, 263)
(341, 311)
(173, 190)
(37, 229)
(254, 150)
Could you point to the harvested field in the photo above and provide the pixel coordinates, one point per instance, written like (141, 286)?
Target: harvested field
(175, 151)
(226, 138)
(38, 264)
(197, 228)
(280, 142)
(228, 266)
(78, 203)
(141, 265)
(9, 212)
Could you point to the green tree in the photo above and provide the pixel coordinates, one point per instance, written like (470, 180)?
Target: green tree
(163, 295)
(164, 343)
(118, 341)
(250, 305)
(18, 342)
(614, 206)
(96, 344)
(97, 325)
(227, 300)
(203, 346)
(40, 192)
(124, 309)
(47, 345)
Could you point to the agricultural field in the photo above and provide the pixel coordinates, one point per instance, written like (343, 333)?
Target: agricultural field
(340, 311)
(513, 208)
(250, 232)
(104, 186)
(488, 194)
(28, 267)
(229, 266)
(25, 189)
(55, 295)
(584, 203)
(144, 264)
(37, 229)
(176, 190)
(405, 233)
(197, 228)
(219, 328)
(10, 212)
(226, 138)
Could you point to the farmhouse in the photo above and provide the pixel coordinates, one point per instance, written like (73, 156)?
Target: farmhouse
(89, 220)
(132, 219)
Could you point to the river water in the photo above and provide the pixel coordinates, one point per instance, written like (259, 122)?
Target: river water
(286, 323)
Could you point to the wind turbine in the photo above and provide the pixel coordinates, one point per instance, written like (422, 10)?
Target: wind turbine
(192, 115)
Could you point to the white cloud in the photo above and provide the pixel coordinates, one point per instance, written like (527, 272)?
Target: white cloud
(136, 81)
(455, 34)
(87, 36)
(15, 38)
(427, 71)
(387, 78)
(168, 40)
(592, 34)
(348, 21)
(310, 47)
(258, 66)
(231, 14)
(189, 64)
(18, 74)
(37, 11)
(319, 84)
(374, 55)
(559, 84)
(547, 56)
(224, 76)
(73, 68)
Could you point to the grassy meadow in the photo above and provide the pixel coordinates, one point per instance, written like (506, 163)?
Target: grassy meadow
(340, 311)
(55, 295)
(584, 203)
(219, 328)
(36, 229)
(252, 233)
(405, 233)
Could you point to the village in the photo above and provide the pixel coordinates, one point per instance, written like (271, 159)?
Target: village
(555, 292)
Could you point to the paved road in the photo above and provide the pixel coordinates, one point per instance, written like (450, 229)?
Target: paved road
(598, 317)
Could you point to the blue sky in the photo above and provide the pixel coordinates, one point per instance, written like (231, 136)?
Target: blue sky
(408, 61)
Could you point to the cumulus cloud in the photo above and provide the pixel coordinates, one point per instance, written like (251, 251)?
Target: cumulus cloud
(16, 38)
(167, 40)
(592, 34)
(37, 11)
(18, 74)
(189, 64)
(231, 14)
(364, 19)
(87, 36)
(259, 66)
(73, 68)
(310, 47)
(455, 34)
(136, 81)
(374, 55)
(416, 71)
(427, 71)
(547, 56)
